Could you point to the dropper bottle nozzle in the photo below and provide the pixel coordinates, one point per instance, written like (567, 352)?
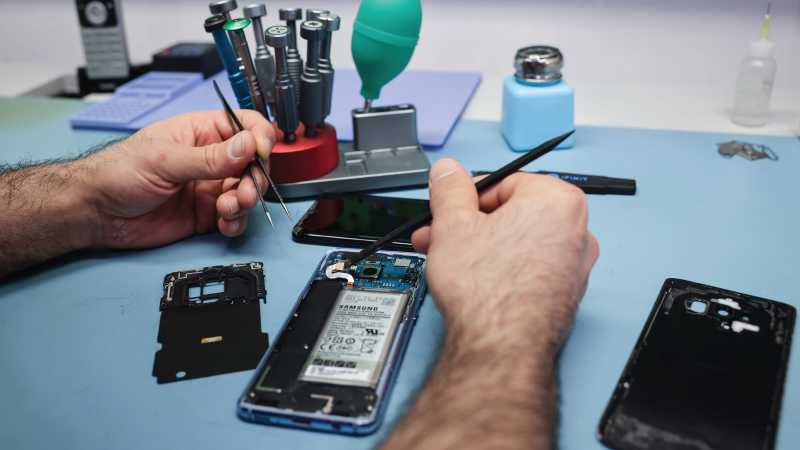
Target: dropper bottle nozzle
(765, 27)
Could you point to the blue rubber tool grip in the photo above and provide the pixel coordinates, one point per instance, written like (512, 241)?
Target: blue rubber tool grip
(240, 88)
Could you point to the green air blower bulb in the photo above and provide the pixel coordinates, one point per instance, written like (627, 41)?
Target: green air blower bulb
(384, 36)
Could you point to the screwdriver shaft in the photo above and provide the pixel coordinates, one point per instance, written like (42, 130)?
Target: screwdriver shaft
(285, 97)
(293, 61)
(264, 62)
(251, 77)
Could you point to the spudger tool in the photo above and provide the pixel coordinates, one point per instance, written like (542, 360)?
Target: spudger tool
(237, 127)
(589, 184)
(480, 186)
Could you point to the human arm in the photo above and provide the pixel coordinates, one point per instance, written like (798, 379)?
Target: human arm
(169, 181)
(507, 270)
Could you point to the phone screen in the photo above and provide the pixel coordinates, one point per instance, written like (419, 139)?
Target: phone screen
(357, 220)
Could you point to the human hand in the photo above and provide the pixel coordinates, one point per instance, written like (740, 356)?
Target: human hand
(511, 264)
(176, 178)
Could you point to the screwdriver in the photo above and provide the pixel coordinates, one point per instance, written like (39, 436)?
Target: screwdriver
(295, 64)
(214, 25)
(224, 8)
(279, 37)
(312, 14)
(264, 62)
(331, 22)
(311, 81)
(237, 26)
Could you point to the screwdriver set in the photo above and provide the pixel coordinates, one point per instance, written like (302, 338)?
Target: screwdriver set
(297, 97)
(291, 83)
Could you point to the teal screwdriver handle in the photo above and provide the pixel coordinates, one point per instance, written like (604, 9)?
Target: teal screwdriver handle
(385, 34)
(241, 90)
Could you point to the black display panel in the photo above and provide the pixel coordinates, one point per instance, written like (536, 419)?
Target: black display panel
(357, 220)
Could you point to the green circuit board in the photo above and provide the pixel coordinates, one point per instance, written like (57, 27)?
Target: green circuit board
(381, 271)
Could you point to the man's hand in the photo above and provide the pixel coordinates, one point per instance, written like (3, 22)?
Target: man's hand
(171, 180)
(507, 270)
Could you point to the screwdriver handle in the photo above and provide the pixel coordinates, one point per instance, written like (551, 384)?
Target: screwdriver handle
(311, 80)
(224, 8)
(241, 90)
(327, 89)
(279, 37)
(331, 22)
(312, 14)
(265, 63)
(237, 26)
(294, 62)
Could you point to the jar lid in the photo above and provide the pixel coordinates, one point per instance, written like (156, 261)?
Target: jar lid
(538, 64)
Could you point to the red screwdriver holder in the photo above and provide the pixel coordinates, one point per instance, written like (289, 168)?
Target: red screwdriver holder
(305, 158)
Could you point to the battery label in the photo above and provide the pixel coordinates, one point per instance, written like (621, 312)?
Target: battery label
(338, 372)
(355, 340)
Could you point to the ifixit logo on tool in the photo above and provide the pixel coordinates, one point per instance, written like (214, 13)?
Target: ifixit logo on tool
(568, 177)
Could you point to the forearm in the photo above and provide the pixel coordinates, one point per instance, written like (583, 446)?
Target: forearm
(485, 394)
(44, 213)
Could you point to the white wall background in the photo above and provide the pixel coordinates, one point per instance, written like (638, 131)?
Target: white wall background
(675, 41)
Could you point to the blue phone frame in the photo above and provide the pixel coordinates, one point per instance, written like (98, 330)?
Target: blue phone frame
(337, 424)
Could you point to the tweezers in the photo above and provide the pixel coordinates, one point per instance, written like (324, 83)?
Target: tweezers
(234, 121)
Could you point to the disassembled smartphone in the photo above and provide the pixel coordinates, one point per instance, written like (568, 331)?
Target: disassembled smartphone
(707, 373)
(336, 357)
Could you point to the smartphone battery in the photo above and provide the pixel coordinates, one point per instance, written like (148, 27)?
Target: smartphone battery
(354, 343)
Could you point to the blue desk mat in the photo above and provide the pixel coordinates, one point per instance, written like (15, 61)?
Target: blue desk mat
(439, 97)
(78, 335)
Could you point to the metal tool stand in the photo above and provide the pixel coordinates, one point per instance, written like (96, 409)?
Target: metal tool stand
(385, 155)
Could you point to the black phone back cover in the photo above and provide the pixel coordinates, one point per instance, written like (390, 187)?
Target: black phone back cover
(703, 380)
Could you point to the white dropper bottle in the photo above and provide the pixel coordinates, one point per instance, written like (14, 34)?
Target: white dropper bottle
(756, 76)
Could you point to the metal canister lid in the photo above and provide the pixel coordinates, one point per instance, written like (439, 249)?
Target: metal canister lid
(538, 64)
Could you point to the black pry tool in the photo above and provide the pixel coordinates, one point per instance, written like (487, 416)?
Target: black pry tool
(590, 184)
(480, 186)
(234, 124)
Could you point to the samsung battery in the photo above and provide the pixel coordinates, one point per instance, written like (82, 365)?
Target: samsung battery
(354, 343)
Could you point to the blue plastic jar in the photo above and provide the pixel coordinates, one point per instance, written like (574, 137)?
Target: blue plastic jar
(537, 104)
